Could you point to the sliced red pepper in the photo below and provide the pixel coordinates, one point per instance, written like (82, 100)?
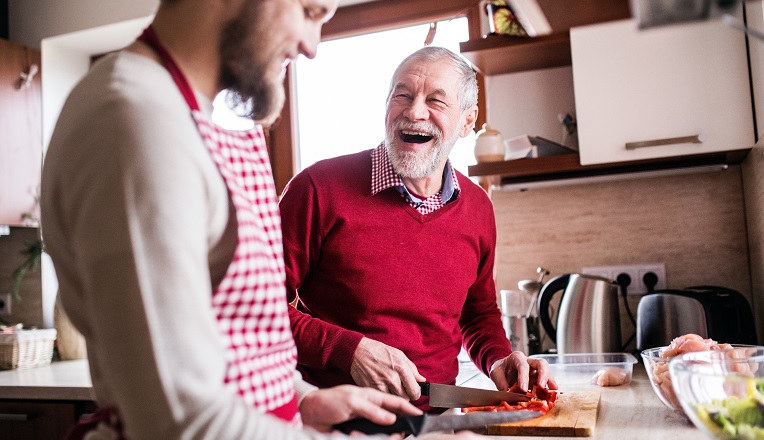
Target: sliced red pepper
(542, 400)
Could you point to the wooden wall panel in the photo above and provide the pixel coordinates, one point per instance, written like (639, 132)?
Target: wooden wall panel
(28, 310)
(753, 183)
(695, 224)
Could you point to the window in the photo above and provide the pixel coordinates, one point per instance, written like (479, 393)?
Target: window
(340, 95)
(223, 116)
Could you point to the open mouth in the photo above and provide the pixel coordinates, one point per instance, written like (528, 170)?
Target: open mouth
(415, 137)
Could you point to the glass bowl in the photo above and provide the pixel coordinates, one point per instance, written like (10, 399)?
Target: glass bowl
(657, 368)
(658, 372)
(722, 392)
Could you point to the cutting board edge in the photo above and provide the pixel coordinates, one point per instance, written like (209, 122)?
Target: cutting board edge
(582, 426)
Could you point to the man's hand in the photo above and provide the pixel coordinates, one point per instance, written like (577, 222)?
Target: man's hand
(521, 369)
(379, 366)
(323, 408)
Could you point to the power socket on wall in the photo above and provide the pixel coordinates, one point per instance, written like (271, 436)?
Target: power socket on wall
(635, 271)
(5, 304)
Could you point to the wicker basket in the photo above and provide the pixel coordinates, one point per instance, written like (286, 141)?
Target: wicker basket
(26, 348)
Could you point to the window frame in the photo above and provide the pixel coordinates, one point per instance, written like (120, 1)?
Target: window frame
(361, 19)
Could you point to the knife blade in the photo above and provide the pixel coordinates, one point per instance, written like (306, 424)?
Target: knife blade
(432, 422)
(450, 396)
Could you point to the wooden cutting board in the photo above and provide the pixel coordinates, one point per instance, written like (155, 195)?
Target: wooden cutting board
(574, 415)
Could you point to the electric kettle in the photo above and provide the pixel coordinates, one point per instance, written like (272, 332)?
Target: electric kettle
(588, 319)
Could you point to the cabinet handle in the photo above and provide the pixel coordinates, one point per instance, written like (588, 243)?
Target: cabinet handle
(14, 417)
(696, 139)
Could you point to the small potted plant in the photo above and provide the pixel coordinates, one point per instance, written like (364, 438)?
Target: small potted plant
(33, 253)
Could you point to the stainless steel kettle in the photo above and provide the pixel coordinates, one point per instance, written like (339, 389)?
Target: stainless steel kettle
(588, 319)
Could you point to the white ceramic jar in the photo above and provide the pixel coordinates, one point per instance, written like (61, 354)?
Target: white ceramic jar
(489, 145)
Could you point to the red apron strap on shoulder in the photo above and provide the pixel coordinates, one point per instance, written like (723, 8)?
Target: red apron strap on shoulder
(149, 37)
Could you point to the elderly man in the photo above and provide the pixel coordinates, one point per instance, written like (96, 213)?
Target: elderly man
(165, 233)
(390, 252)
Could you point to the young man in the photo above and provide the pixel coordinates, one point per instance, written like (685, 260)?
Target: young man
(165, 234)
(390, 252)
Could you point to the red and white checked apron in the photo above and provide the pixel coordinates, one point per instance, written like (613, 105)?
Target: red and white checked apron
(250, 303)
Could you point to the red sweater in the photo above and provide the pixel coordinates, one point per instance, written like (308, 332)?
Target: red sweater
(371, 265)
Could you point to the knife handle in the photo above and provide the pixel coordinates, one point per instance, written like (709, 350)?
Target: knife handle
(425, 386)
(403, 424)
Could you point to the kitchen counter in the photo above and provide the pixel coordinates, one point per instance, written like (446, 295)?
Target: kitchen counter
(630, 411)
(64, 380)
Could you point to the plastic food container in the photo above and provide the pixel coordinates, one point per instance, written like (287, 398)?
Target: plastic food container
(590, 369)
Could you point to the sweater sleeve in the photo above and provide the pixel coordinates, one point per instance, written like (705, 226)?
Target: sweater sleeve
(481, 325)
(320, 344)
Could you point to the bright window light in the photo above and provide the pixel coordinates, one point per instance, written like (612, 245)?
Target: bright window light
(341, 93)
(223, 116)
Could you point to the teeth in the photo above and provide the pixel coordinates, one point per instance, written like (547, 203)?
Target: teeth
(415, 133)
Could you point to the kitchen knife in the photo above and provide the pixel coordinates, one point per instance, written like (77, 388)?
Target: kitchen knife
(450, 396)
(432, 422)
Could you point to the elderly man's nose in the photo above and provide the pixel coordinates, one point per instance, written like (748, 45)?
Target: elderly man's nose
(417, 109)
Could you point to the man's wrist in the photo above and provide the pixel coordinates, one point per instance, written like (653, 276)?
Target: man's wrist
(302, 388)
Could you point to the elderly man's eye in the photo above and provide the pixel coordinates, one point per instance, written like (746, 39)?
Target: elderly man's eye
(315, 12)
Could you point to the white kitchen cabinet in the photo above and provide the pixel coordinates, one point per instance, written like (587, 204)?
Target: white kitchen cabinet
(650, 93)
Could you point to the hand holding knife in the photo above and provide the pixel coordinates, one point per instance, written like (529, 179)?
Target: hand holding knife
(448, 396)
(432, 422)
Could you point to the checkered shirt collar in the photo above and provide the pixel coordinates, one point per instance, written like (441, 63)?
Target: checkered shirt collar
(383, 176)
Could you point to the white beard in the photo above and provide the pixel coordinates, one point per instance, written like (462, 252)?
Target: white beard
(421, 163)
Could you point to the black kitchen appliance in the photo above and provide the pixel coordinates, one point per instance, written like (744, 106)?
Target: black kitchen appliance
(721, 314)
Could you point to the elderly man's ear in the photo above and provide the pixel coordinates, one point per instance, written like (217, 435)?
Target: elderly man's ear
(469, 121)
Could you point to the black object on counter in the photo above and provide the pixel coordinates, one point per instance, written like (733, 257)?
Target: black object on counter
(719, 313)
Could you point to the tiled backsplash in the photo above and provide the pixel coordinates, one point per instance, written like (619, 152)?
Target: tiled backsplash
(694, 223)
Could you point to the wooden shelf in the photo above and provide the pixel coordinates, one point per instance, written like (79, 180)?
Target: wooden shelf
(497, 54)
(568, 166)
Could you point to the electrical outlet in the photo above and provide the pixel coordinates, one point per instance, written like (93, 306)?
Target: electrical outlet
(603, 271)
(5, 304)
(635, 271)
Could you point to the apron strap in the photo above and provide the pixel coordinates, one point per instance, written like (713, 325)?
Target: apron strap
(150, 38)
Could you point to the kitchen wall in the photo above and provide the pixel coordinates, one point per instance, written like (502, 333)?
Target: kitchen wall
(753, 183)
(528, 103)
(753, 168)
(694, 223)
(28, 310)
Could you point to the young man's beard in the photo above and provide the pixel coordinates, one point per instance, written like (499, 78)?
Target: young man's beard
(418, 164)
(251, 92)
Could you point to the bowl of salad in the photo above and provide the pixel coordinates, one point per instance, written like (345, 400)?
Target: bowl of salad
(722, 391)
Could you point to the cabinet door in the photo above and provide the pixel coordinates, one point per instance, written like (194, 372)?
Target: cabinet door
(646, 94)
(20, 134)
(37, 420)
